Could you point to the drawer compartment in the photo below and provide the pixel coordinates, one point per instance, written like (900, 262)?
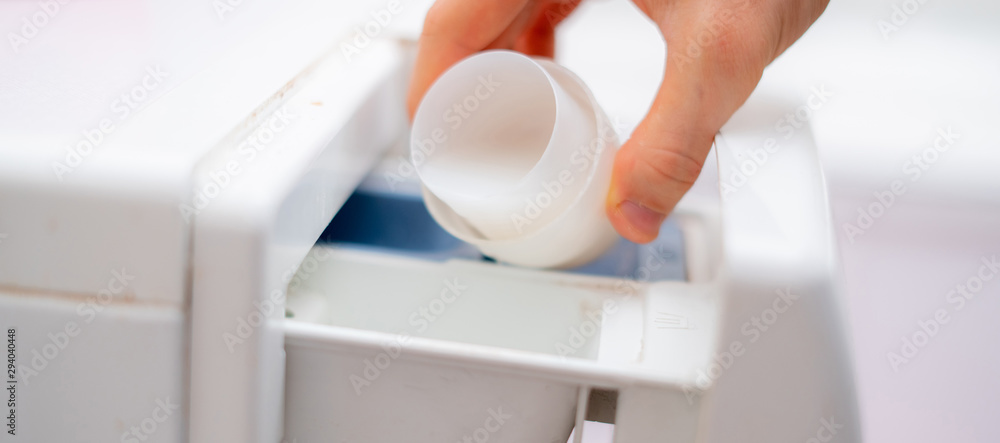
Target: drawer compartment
(382, 348)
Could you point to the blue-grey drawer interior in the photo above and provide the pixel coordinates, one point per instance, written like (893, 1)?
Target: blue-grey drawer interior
(400, 223)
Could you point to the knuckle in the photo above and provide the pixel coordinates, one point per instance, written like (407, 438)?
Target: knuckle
(667, 166)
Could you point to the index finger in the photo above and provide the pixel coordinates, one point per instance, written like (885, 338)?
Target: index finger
(453, 30)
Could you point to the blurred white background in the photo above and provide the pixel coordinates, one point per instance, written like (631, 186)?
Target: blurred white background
(891, 95)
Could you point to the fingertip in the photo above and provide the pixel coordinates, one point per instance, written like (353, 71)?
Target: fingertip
(634, 221)
(637, 223)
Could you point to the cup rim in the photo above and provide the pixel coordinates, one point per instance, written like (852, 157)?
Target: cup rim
(467, 232)
(547, 153)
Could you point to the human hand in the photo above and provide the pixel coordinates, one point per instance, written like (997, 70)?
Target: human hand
(716, 54)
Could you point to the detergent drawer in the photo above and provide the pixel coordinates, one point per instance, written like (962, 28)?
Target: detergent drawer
(391, 339)
(390, 320)
(411, 337)
(382, 348)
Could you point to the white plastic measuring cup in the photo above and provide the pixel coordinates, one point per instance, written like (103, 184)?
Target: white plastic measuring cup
(515, 157)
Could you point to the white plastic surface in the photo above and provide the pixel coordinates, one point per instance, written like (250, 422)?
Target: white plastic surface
(251, 238)
(687, 360)
(438, 345)
(94, 369)
(515, 156)
(119, 204)
(178, 196)
(780, 271)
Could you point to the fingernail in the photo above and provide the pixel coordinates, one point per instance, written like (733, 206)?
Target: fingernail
(642, 219)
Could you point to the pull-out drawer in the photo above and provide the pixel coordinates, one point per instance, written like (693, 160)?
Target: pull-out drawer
(396, 342)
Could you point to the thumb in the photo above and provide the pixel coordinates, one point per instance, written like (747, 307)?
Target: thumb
(705, 81)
